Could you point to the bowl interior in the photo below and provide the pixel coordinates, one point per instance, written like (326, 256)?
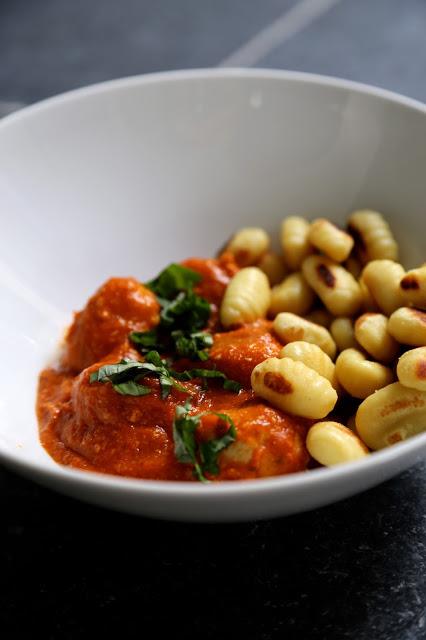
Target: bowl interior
(122, 178)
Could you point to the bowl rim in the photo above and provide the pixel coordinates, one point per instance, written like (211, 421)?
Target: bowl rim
(321, 476)
(208, 73)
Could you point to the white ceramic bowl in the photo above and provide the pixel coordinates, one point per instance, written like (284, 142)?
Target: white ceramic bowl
(123, 177)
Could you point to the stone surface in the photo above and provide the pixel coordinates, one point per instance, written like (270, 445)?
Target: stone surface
(354, 570)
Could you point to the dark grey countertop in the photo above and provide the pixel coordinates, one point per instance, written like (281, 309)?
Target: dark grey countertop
(354, 570)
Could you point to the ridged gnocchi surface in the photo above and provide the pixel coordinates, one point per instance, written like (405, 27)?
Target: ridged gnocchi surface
(347, 296)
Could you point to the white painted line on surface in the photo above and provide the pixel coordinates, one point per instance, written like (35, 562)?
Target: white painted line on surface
(287, 25)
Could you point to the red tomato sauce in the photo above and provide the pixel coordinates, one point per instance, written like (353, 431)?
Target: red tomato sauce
(91, 426)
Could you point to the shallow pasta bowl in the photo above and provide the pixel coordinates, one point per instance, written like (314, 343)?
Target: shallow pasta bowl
(124, 177)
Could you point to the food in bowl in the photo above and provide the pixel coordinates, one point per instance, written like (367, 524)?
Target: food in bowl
(223, 368)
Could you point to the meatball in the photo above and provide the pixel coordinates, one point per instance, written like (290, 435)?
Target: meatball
(268, 443)
(236, 353)
(125, 435)
(120, 306)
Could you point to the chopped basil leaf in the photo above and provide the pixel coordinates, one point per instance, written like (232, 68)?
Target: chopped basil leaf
(128, 371)
(203, 456)
(125, 376)
(187, 311)
(210, 449)
(172, 280)
(185, 345)
(232, 385)
(183, 313)
(146, 340)
(193, 345)
(189, 374)
(131, 388)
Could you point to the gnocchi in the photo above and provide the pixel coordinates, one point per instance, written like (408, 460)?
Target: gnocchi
(290, 327)
(371, 306)
(373, 236)
(411, 369)
(332, 241)
(371, 331)
(292, 386)
(342, 330)
(293, 294)
(314, 357)
(248, 245)
(408, 326)
(413, 287)
(247, 297)
(391, 415)
(332, 443)
(295, 241)
(361, 377)
(337, 288)
(382, 278)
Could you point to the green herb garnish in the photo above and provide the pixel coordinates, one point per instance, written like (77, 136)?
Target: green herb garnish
(192, 345)
(189, 374)
(172, 280)
(126, 374)
(202, 455)
(185, 345)
(183, 314)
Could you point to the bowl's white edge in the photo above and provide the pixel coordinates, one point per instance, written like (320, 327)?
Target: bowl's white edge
(207, 73)
(279, 483)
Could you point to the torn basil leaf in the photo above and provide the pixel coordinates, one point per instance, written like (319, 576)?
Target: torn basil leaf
(189, 374)
(125, 372)
(183, 314)
(202, 455)
(172, 280)
(188, 311)
(131, 388)
(193, 345)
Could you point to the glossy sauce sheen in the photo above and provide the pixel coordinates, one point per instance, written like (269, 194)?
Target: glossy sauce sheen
(90, 426)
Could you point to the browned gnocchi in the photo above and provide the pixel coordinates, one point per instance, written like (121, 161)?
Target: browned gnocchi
(348, 299)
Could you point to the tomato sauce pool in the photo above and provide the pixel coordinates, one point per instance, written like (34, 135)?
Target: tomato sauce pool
(90, 425)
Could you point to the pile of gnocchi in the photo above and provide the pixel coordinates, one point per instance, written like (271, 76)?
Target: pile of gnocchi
(348, 315)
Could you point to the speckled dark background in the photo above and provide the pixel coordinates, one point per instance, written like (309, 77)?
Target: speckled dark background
(355, 570)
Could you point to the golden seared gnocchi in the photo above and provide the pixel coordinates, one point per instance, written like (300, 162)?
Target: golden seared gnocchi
(371, 331)
(337, 288)
(411, 369)
(313, 356)
(408, 326)
(293, 294)
(382, 279)
(332, 241)
(290, 327)
(273, 266)
(332, 443)
(361, 377)
(248, 245)
(373, 236)
(346, 294)
(392, 414)
(413, 287)
(295, 241)
(291, 386)
(342, 330)
(247, 297)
